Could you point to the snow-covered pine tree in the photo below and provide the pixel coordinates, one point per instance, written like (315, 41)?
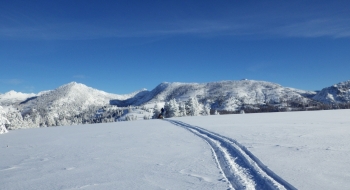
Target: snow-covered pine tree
(182, 110)
(28, 122)
(193, 108)
(36, 118)
(166, 108)
(16, 119)
(172, 108)
(3, 121)
(156, 111)
(206, 109)
(129, 109)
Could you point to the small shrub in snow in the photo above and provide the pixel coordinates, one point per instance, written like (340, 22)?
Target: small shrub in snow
(130, 117)
(129, 109)
(216, 112)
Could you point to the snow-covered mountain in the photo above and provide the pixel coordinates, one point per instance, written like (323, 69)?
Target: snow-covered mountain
(72, 97)
(225, 95)
(13, 97)
(76, 103)
(338, 93)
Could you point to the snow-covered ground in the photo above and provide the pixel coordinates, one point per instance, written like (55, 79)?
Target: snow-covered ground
(309, 150)
(149, 154)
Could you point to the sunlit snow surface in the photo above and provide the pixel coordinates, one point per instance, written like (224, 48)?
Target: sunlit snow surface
(152, 154)
(310, 150)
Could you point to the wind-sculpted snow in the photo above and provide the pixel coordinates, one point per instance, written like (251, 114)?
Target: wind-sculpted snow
(241, 168)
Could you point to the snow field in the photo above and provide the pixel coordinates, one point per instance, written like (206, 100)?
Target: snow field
(150, 154)
(240, 167)
(310, 150)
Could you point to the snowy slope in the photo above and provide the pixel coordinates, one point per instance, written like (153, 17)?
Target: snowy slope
(338, 93)
(308, 150)
(227, 95)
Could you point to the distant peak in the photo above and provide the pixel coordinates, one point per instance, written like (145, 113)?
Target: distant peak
(11, 92)
(345, 83)
(72, 84)
(143, 89)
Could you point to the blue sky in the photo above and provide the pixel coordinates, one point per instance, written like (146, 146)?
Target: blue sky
(123, 46)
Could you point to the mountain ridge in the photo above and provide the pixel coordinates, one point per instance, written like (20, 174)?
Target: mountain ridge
(227, 94)
(337, 93)
(215, 93)
(75, 103)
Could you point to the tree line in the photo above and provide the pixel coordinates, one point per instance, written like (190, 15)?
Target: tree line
(47, 117)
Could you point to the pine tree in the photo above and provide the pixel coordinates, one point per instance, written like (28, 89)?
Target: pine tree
(28, 122)
(206, 109)
(172, 108)
(156, 111)
(182, 110)
(193, 108)
(16, 119)
(3, 121)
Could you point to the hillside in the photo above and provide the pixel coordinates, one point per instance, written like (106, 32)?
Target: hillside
(13, 97)
(70, 104)
(337, 93)
(224, 95)
(76, 103)
(73, 97)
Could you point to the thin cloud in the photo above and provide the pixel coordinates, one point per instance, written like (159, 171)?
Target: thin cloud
(12, 81)
(254, 26)
(337, 28)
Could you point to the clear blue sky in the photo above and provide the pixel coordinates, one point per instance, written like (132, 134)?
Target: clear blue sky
(122, 46)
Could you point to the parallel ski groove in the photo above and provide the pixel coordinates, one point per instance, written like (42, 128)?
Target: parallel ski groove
(239, 166)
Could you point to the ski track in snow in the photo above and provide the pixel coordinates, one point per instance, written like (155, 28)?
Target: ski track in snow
(240, 167)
